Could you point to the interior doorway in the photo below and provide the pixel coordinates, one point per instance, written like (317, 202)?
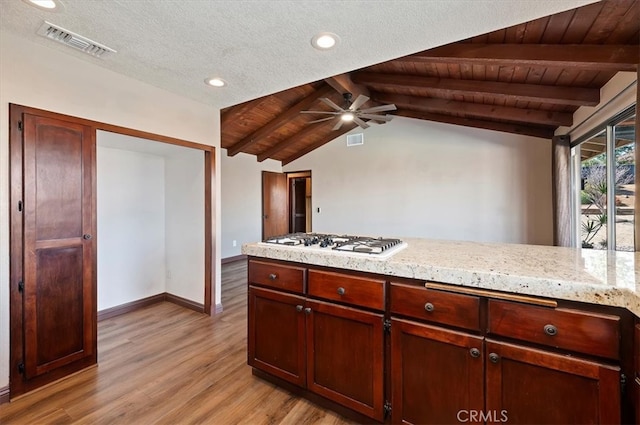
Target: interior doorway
(286, 203)
(299, 184)
(53, 241)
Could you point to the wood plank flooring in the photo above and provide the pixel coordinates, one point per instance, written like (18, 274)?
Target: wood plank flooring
(165, 364)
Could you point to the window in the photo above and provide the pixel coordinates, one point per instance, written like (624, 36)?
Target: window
(603, 175)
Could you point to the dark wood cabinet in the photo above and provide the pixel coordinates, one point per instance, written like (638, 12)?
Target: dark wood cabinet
(527, 385)
(437, 375)
(345, 352)
(276, 340)
(449, 358)
(335, 351)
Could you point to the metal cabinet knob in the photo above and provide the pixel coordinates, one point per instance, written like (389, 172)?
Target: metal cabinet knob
(550, 330)
(307, 310)
(298, 308)
(86, 236)
(273, 276)
(475, 353)
(341, 291)
(493, 357)
(429, 307)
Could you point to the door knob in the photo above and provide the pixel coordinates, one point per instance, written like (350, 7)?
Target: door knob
(86, 236)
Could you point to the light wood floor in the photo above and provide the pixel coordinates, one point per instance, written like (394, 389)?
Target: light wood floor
(168, 365)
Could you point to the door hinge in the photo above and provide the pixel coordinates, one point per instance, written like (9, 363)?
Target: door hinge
(20, 286)
(19, 206)
(387, 409)
(20, 125)
(387, 325)
(623, 383)
(21, 368)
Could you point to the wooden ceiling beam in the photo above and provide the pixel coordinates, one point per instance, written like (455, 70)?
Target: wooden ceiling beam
(578, 96)
(605, 57)
(326, 139)
(344, 84)
(452, 107)
(544, 132)
(280, 120)
(289, 141)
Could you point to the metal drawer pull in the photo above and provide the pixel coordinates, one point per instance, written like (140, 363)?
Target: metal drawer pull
(429, 307)
(550, 330)
(307, 310)
(273, 276)
(493, 357)
(341, 291)
(475, 353)
(298, 307)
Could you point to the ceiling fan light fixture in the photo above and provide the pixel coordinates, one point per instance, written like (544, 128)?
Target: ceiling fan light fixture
(347, 116)
(325, 41)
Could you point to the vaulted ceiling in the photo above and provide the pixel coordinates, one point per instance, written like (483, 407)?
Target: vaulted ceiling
(527, 79)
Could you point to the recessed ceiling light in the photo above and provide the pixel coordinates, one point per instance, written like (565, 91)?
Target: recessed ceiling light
(215, 82)
(50, 5)
(325, 41)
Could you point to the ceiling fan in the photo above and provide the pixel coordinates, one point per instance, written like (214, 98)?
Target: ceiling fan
(351, 111)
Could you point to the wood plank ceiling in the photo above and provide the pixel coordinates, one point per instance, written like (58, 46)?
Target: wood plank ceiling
(527, 79)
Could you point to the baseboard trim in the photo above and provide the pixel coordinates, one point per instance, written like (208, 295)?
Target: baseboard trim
(233, 259)
(183, 302)
(130, 306)
(218, 309)
(144, 302)
(4, 395)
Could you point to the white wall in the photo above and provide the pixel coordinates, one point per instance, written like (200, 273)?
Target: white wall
(36, 76)
(415, 178)
(241, 198)
(185, 225)
(131, 226)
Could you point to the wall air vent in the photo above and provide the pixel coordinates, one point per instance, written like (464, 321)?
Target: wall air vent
(74, 40)
(355, 139)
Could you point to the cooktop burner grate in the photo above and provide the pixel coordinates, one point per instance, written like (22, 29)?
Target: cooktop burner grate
(362, 244)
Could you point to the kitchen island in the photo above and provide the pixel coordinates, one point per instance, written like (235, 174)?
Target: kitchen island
(446, 331)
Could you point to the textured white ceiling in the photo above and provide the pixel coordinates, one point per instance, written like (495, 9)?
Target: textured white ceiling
(261, 47)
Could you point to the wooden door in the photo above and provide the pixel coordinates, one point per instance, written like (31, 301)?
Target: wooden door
(437, 375)
(58, 322)
(535, 386)
(276, 342)
(345, 357)
(298, 202)
(275, 215)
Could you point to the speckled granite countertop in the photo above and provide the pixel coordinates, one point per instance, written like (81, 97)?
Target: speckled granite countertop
(592, 276)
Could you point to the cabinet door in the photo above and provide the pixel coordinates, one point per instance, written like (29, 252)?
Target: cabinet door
(436, 374)
(345, 357)
(527, 385)
(276, 334)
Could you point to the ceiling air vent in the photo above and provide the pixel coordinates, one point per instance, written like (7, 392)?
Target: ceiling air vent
(355, 139)
(74, 40)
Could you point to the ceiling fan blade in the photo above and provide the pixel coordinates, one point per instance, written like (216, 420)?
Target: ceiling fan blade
(376, 117)
(360, 100)
(328, 101)
(321, 112)
(381, 108)
(321, 119)
(338, 125)
(360, 122)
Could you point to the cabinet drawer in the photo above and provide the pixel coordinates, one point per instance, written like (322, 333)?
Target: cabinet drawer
(636, 351)
(462, 311)
(359, 291)
(584, 332)
(287, 278)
